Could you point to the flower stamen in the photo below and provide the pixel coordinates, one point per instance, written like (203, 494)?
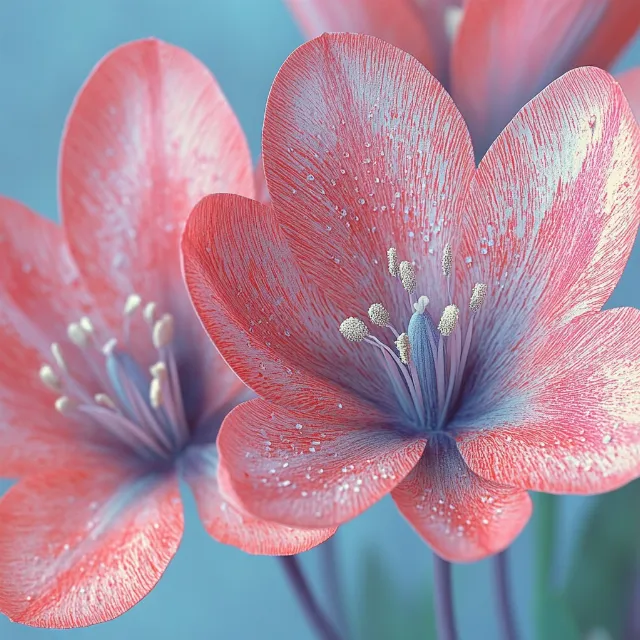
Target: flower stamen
(427, 369)
(379, 315)
(404, 348)
(392, 258)
(143, 409)
(354, 330)
(408, 276)
(448, 320)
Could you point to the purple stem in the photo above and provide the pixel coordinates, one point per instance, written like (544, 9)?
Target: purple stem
(633, 618)
(505, 605)
(445, 618)
(307, 600)
(330, 565)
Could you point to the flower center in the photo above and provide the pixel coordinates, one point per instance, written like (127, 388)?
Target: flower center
(426, 369)
(130, 404)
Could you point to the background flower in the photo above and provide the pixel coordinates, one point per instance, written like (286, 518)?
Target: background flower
(493, 56)
(131, 392)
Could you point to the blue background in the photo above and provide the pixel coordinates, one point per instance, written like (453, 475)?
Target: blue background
(211, 591)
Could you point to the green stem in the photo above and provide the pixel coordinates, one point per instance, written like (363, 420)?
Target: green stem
(546, 518)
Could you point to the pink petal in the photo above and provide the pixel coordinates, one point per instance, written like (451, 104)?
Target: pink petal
(396, 21)
(363, 150)
(618, 24)
(228, 523)
(462, 516)
(79, 547)
(630, 83)
(40, 293)
(273, 326)
(572, 419)
(506, 51)
(262, 193)
(289, 468)
(150, 134)
(553, 213)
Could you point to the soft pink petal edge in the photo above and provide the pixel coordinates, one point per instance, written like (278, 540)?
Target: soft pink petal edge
(82, 546)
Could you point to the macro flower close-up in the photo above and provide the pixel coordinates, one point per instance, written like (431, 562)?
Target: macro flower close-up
(492, 56)
(414, 324)
(320, 320)
(110, 390)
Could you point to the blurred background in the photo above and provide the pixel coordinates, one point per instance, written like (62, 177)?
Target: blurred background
(211, 591)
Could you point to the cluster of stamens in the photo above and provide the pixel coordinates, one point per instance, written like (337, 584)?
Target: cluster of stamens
(428, 363)
(141, 408)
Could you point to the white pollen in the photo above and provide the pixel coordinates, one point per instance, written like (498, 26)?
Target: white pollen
(452, 20)
(392, 256)
(404, 347)
(158, 370)
(86, 324)
(447, 260)
(49, 378)
(149, 312)
(449, 320)
(421, 305)
(77, 335)
(132, 303)
(64, 404)
(379, 315)
(408, 276)
(104, 400)
(354, 330)
(56, 352)
(155, 393)
(163, 331)
(477, 296)
(109, 346)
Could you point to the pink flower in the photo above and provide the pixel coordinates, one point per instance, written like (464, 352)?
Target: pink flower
(131, 392)
(492, 56)
(508, 377)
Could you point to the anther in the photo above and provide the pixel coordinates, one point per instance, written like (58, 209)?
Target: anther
(56, 352)
(449, 320)
(158, 370)
(132, 303)
(452, 20)
(421, 305)
(404, 347)
(155, 393)
(354, 330)
(86, 324)
(408, 276)
(149, 312)
(379, 315)
(392, 256)
(64, 404)
(104, 400)
(163, 331)
(77, 335)
(477, 296)
(447, 260)
(49, 378)
(109, 346)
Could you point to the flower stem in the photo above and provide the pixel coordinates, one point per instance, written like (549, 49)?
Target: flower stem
(547, 518)
(307, 600)
(333, 586)
(546, 525)
(445, 618)
(505, 604)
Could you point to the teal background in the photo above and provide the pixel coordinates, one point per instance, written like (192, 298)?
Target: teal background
(211, 591)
